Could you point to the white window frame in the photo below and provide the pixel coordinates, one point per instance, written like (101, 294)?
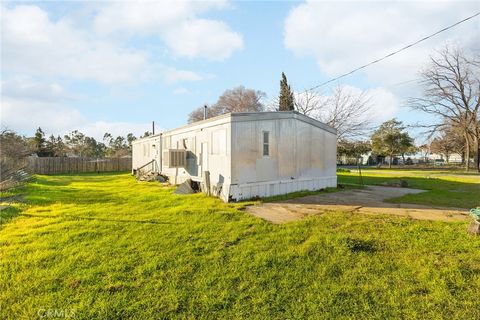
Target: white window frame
(266, 143)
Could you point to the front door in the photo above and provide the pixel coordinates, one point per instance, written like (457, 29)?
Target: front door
(204, 162)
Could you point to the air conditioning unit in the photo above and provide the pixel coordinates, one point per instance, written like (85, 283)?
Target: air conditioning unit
(175, 158)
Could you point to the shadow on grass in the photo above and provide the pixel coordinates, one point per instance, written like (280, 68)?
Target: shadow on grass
(94, 174)
(72, 217)
(8, 213)
(87, 197)
(360, 245)
(46, 192)
(66, 179)
(52, 181)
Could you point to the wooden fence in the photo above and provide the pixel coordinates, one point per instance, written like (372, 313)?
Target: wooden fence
(54, 165)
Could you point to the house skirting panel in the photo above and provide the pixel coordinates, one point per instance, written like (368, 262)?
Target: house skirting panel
(272, 188)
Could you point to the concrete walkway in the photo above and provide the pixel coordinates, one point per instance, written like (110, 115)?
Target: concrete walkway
(369, 200)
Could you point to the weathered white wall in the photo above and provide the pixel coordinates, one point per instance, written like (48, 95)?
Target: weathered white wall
(302, 156)
(216, 136)
(145, 150)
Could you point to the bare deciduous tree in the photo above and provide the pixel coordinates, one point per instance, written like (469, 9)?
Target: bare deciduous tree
(197, 114)
(442, 146)
(448, 142)
(239, 99)
(13, 149)
(12, 145)
(307, 102)
(353, 149)
(451, 93)
(345, 110)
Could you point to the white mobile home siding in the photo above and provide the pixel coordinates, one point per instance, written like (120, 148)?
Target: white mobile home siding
(145, 150)
(301, 154)
(208, 149)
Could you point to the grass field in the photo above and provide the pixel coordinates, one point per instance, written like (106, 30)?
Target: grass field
(445, 188)
(108, 247)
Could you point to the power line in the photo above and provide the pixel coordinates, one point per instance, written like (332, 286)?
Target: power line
(394, 53)
(403, 82)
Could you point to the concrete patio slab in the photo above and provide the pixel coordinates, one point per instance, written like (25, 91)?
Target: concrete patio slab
(370, 200)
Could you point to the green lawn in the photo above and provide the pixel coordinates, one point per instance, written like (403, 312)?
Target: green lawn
(445, 188)
(108, 247)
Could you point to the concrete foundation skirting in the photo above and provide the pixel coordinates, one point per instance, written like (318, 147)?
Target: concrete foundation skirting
(273, 188)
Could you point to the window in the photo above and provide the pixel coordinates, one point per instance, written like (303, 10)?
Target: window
(266, 145)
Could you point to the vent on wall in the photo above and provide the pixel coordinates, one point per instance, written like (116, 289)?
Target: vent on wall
(175, 158)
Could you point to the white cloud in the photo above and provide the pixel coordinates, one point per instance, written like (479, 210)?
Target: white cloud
(36, 45)
(176, 23)
(203, 38)
(345, 35)
(181, 91)
(28, 104)
(41, 52)
(383, 105)
(99, 128)
(148, 17)
(27, 115)
(33, 44)
(172, 75)
(24, 116)
(27, 88)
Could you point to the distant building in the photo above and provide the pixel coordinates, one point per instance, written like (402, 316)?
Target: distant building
(246, 155)
(72, 155)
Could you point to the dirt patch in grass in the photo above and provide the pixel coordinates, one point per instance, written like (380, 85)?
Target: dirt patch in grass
(370, 200)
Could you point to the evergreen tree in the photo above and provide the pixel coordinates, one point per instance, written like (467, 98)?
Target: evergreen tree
(130, 139)
(285, 101)
(55, 147)
(75, 141)
(146, 134)
(119, 146)
(39, 143)
(93, 148)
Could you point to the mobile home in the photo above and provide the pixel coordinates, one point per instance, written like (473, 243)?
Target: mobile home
(245, 155)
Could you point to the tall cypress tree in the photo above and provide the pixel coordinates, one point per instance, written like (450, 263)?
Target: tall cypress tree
(285, 101)
(39, 143)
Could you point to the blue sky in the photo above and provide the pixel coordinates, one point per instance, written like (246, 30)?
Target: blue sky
(116, 66)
